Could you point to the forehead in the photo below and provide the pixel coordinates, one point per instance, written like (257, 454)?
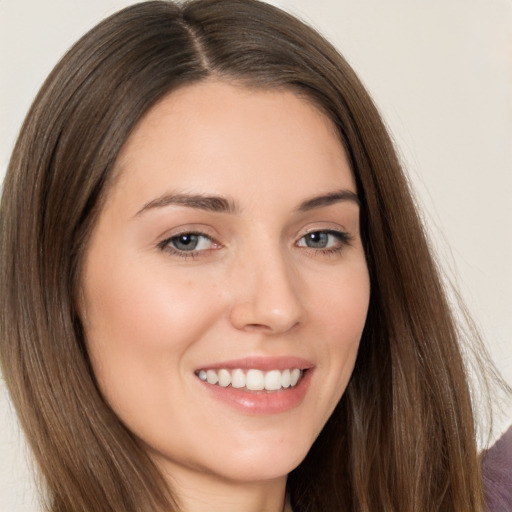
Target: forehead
(222, 136)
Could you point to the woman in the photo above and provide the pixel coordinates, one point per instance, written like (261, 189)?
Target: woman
(216, 291)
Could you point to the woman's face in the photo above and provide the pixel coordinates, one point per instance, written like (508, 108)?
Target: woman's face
(226, 259)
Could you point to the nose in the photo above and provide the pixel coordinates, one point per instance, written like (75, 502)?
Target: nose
(267, 295)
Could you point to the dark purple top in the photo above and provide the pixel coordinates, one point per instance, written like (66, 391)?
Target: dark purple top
(497, 474)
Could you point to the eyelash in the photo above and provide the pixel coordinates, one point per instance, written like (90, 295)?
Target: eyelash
(343, 238)
(166, 246)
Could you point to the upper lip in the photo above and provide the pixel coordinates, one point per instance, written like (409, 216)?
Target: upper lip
(261, 363)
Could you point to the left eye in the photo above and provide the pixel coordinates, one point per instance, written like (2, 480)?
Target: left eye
(188, 242)
(321, 240)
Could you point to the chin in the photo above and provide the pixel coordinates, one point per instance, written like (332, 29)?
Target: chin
(242, 460)
(266, 467)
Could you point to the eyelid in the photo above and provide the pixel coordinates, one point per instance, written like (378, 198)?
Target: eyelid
(326, 227)
(165, 243)
(343, 237)
(188, 229)
(339, 233)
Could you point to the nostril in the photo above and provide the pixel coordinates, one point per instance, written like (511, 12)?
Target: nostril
(258, 327)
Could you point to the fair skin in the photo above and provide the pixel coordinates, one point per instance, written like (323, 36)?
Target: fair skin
(268, 275)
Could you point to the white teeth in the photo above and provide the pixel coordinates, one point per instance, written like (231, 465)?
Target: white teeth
(252, 380)
(255, 381)
(285, 379)
(211, 377)
(294, 376)
(238, 379)
(273, 380)
(224, 378)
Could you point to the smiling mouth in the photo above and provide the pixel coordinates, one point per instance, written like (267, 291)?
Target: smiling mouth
(252, 379)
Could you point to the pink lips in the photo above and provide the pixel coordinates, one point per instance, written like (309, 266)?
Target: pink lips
(261, 363)
(261, 402)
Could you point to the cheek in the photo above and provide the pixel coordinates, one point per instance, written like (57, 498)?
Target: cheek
(139, 325)
(342, 304)
(138, 301)
(341, 314)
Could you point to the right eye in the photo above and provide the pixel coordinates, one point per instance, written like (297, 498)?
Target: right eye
(187, 244)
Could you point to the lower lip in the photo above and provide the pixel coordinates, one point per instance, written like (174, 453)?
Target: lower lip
(262, 402)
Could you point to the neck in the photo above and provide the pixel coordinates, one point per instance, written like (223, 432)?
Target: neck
(206, 493)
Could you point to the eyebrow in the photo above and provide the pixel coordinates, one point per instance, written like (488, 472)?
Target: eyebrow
(220, 204)
(217, 204)
(328, 199)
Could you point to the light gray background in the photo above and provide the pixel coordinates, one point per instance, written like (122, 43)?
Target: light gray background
(441, 73)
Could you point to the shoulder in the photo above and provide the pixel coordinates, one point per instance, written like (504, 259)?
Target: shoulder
(497, 474)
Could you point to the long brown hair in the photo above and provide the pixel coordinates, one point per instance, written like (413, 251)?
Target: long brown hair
(402, 437)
